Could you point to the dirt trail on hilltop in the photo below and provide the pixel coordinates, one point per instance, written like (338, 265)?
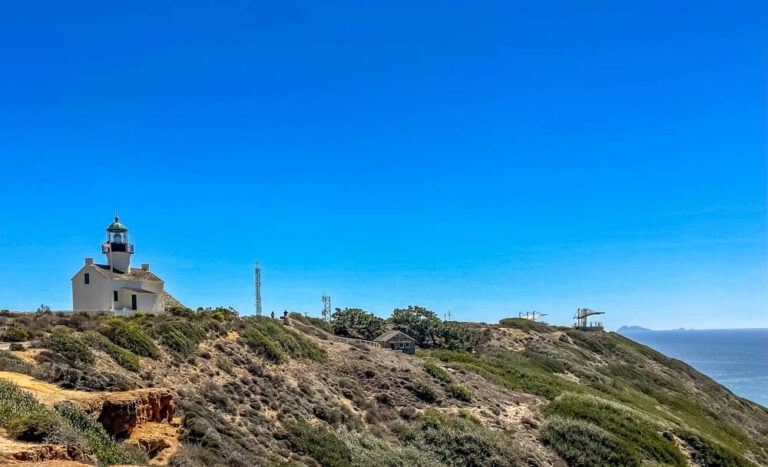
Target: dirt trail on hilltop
(50, 394)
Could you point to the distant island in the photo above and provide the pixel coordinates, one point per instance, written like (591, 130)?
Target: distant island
(632, 329)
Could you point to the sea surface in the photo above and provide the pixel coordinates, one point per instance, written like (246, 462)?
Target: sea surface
(735, 358)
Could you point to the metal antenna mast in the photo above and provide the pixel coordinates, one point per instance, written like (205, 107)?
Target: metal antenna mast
(257, 275)
(326, 307)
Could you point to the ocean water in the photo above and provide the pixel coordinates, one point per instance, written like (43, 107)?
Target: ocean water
(735, 358)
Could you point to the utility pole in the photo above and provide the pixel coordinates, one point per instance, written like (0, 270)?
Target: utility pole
(326, 307)
(257, 297)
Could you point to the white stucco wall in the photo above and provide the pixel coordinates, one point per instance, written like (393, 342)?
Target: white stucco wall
(95, 296)
(98, 294)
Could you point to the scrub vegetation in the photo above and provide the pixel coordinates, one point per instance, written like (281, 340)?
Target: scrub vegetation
(298, 391)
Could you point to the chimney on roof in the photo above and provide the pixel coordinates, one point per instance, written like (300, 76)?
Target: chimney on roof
(88, 261)
(145, 267)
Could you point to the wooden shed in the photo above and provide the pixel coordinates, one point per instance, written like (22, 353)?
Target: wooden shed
(397, 340)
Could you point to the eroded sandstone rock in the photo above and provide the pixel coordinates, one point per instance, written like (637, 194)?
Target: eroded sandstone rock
(122, 412)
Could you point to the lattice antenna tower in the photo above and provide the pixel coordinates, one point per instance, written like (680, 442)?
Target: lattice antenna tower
(326, 307)
(257, 294)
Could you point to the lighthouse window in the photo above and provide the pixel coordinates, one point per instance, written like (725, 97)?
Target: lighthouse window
(87, 278)
(114, 295)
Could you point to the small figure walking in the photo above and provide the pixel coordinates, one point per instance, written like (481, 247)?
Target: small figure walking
(273, 314)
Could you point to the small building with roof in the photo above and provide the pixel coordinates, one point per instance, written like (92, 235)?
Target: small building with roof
(116, 287)
(397, 340)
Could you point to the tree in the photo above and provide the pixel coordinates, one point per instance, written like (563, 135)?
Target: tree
(418, 322)
(454, 336)
(356, 322)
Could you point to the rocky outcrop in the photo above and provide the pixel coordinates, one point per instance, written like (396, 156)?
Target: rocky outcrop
(122, 412)
(158, 440)
(47, 452)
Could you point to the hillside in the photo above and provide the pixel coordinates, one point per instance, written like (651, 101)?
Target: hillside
(210, 388)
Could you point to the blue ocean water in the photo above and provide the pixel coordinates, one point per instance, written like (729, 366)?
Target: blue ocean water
(735, 358)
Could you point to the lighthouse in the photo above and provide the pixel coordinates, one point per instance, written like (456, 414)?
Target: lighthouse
(117, 249)
(117, 288)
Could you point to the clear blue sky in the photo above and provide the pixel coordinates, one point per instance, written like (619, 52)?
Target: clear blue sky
(480, 157)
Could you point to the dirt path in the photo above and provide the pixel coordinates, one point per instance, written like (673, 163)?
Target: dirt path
(50, 394)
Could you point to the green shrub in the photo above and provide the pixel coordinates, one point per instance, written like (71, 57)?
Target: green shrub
(106, 449)
(367, 450)
(460, 392)
(525, 325)
(23, 416)
(458, 441)
(271, 339)
(130, 336)
(10, 362)
(583, 443)
(510, 369)
(181, 337)
(634, 431)
(424, 392)
(16, 333)
(73, 378)
(69, 346)
(34, 427)
(16, 347)
(709, 452)
(437, 372)
(323, 445)
(223, 364)
(122, 357)
(262, 345)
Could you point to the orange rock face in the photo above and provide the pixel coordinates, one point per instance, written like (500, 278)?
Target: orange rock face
(46, 452)
(122, 412)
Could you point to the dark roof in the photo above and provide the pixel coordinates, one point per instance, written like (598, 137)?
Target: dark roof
(138, 290)
(389, 335)
(133, 275)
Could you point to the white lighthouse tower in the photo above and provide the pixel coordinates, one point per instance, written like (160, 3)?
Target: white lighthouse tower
(117, 249)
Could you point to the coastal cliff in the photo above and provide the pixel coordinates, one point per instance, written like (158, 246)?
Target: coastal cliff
(211, 388)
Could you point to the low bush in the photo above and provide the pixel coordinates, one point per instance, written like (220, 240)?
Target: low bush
(460, 392)
(130, 336)
(511, 369)
(523, 324)
(223, 364)
(69, 346)
(709, 452)
(24, 417)
(15, 347)
(438, 372)
(272, 340)
(327, 448)
(367, 450)
(581, 443)
(181, 337)
(106, 449)
(424, 392)
(10, 362)
(208, 429)
(638, 436)
(73, 378)
(34, 427)
(124, 358)
(16, 333)
(263, 345)
(458, 441)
